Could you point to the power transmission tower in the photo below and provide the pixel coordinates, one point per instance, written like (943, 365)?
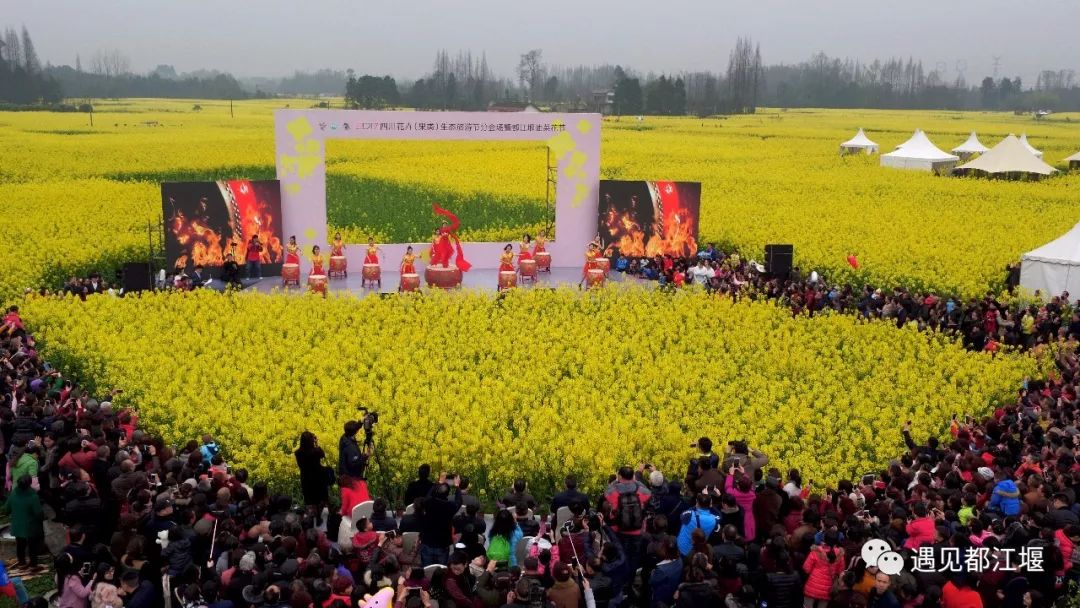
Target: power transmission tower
(961, 67)
(997, 65)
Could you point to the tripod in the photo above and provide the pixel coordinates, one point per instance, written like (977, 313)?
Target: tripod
(369, 445)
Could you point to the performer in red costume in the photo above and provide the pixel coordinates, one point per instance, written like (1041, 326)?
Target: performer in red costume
(442, 249)
(506, 260)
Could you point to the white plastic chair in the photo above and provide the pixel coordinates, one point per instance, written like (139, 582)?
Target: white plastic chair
(409, 510)
(429, 571)
(364, 509)
(409, 540)
(562, 516)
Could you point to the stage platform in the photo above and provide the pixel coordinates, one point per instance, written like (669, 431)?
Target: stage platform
(483, 279)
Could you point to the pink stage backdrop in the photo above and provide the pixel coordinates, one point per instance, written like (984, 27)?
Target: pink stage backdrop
(574, 140)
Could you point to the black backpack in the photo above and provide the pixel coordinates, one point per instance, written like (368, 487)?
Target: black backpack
(630, 515)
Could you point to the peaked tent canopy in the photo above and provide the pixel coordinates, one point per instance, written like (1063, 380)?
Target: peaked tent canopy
(1074, 161)
(859, 143)
(1031, 148)
(921, 154)
(969, 147)
(1009, 156)
(1054, 267)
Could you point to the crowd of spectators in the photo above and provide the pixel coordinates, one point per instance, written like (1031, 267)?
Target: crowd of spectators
(149, 524)
(986, 323)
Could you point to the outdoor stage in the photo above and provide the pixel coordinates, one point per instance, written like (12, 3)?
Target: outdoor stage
(482, 279)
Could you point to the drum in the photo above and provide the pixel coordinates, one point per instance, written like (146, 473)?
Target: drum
(528, 269)
(445, 277)
(595, 277)
(317, 283)
(507, 279)
(409, 282)
(604, 264)
(337, 266)
(372, 273)
(290, 273)
(543, 261)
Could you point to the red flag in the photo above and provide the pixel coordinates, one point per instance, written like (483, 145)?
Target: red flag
(853, 261)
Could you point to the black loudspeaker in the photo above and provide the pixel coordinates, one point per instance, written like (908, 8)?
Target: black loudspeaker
(778, 260)
(136, 277)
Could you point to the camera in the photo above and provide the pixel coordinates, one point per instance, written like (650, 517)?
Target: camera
(368, 421)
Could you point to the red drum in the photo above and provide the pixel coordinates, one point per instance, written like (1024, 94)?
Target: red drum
(337, 266)
(372, 273)
(410, 281)
(507, 279)
(317, 283)
(595, 277)
(543, 261)
(527, 269)
(290, 273)
(445, 277)
(604, 264)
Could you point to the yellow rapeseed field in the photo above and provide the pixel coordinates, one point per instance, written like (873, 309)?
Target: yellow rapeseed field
(770, 177)
(536, 383)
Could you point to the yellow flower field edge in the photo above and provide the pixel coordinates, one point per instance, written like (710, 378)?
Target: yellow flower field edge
(536, 383)
(54, 229)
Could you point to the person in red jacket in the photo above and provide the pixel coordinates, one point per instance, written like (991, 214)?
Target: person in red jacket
(958, 593)
(822, 567)
(922, 529)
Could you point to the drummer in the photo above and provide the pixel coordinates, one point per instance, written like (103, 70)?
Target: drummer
(372, 255)
(506, 260)
(541, 243)
(591, 254)
(292, 252)
(317, 261)
(408, 261)
(407, 267)
(337, 250)
(526, 244)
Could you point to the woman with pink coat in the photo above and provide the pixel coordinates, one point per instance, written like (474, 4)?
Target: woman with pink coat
(743, 491)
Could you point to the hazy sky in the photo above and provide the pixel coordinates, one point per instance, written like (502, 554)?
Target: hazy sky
(277, 37)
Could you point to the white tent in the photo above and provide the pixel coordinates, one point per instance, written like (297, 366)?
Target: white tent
(859, 143)
(1031, 148)
(1054, 267)
(970, 147)
(1074, 161)
(1009, 156)
(921, 154)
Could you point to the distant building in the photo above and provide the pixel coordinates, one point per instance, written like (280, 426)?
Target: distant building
(604, 101)
(511, 106)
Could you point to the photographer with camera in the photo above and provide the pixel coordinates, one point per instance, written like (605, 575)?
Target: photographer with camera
(352, 460)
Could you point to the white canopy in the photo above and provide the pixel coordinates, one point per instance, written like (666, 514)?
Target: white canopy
(859, 143)
(971, 146)
(1054, 267)
(1009, 156)
(1031, 148)
(919, 153)
(1075, 158)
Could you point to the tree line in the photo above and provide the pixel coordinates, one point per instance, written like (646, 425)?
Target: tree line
(465, 81)
(22, 80)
